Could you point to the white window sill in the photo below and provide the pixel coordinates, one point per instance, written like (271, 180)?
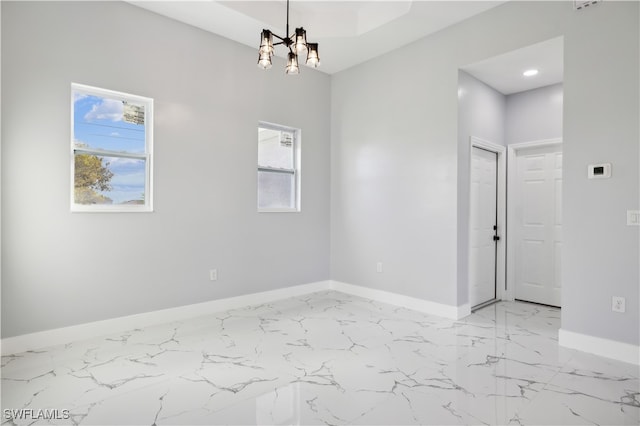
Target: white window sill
(114, 209)
(282, 210)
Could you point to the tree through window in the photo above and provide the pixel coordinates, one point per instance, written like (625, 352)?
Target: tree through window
(111, 149)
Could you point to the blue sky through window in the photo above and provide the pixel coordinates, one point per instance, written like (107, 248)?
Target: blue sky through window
(98, 124)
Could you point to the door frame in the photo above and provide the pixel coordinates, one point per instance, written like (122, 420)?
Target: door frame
(501, 152)
(512, 196)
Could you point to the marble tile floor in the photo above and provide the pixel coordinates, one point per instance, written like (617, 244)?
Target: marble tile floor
(325, 358)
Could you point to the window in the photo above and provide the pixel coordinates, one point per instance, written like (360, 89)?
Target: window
(111, 145)
(278, 168)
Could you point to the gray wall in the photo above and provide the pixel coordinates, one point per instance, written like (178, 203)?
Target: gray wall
(601, 254)
(481, 113)
(394, 164)
(534, 115)
(393, 173)
(395, 159)
(61, 269)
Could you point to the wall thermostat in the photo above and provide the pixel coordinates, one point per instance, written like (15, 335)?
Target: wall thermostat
(599, 171)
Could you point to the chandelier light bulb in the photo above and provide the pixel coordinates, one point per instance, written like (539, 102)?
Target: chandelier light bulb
(292, 64)
(264, 60)
(266, 42)
(313, 59)
(300, 40)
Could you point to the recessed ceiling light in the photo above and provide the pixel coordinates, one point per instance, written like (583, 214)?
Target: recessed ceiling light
(530, 73)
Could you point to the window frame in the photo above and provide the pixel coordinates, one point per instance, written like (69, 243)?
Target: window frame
(295, 170)
(147, 156)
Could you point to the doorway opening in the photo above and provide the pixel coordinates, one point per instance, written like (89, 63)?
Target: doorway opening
(518, 258)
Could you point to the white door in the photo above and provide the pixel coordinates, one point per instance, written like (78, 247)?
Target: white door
(482, 226)
(538, 215)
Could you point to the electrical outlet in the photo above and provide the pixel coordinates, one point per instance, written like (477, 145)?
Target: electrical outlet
(617, 304)
(379, 267)
(213, 274)
(633, 217)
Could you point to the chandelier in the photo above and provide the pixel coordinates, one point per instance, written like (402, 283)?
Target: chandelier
(296, 43)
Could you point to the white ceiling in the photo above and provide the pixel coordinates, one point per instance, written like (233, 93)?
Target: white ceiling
(504, 72)
(348, 32)
(352, 32)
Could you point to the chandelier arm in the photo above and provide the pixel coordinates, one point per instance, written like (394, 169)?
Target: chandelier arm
(287, 41)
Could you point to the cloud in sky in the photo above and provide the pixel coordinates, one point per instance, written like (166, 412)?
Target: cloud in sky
(108, 109)
(77, 96)
(126, 166)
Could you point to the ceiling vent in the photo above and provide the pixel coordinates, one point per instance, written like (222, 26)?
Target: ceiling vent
(582, 4)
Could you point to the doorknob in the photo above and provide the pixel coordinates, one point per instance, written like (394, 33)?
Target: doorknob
(496, 238)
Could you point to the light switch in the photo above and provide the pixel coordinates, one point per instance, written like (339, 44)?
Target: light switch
(633, 217)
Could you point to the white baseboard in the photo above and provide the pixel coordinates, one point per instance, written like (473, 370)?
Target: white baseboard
(43, 339)
(47, 338)
(597, 345)
(420, 305)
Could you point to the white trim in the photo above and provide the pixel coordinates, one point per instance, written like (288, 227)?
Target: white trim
(58, 336)
(512, 175)
(481, 143)
(603, 347)
(535, 144)
(278, 210)
(413, 303)
(620, 351)
(103, 153)
(501, 254)
(64, 335)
